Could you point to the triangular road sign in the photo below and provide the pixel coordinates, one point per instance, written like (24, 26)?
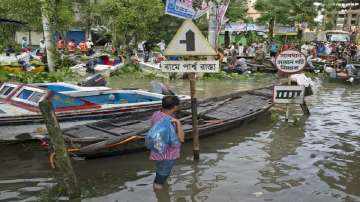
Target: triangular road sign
(189, 40)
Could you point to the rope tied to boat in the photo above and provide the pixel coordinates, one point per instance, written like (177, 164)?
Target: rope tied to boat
(51, 160)
(125, 141)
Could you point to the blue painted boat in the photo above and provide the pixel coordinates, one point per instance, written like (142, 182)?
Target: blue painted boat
(19, 104)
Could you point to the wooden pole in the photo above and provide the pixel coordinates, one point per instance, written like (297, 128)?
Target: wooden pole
(287, 105)
(195, 131)
(305, 108)
(66, 173)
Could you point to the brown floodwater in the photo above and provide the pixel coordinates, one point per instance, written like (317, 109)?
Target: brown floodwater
(315, 158)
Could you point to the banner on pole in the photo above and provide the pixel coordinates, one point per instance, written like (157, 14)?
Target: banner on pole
(184, 9)
(221, 14)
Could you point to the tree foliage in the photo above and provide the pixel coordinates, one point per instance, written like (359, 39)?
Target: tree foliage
(131, 20)
(237, 11)
(60, 12)
(25, 11)
(287, 11)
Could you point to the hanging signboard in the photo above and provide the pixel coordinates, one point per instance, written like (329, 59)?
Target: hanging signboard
(245, 27)
(191, 66)
(289, 94)
(290, 61)
(184, 9)
(285, 30)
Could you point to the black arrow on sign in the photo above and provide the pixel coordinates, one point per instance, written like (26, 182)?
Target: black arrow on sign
(189, 40)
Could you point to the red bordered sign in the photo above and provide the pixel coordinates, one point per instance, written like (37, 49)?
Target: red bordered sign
(290, 61)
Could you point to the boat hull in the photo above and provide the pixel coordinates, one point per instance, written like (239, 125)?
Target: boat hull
(115, 137)
(19, 69)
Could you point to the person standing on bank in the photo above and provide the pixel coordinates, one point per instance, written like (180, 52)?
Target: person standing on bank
(166, 136)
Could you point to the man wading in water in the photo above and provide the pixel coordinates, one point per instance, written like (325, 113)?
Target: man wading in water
(172, 136)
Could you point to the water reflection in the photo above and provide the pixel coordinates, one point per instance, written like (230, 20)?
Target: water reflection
(193, 181)
(284, 139)
(338, 140)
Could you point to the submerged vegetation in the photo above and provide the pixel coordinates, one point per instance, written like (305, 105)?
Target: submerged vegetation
(134, 71)
(235, 76)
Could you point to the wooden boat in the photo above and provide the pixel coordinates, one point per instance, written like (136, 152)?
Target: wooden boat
(349, 74)
(126, 134)
(19, 112)
(11, 64)
(19, 69)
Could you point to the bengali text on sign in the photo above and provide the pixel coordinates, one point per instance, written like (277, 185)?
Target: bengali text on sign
(290, 61)
(191, 66)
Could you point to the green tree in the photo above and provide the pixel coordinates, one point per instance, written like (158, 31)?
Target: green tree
(24, 11)
(237, 11)
(60, 13)
(286, 12)
(131, 21)
(329, 9)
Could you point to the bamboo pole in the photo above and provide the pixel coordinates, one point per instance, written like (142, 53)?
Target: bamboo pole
(195, 131)
(65, 172)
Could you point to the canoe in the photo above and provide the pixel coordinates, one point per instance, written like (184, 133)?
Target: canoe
(19, 69)
(20, 114)
(350, 74)
(126, 134)
(82, 69)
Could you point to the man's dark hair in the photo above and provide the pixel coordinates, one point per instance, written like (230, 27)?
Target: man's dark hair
(170, 101)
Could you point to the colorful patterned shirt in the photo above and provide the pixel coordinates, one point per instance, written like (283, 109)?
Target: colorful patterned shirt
(172, 152)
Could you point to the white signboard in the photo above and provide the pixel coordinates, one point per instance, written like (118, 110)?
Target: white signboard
(189, 41)
(184, 9)
(191, 66)
(289, 94)
(290, 61)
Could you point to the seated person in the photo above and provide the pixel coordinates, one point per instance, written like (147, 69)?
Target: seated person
(159, 58)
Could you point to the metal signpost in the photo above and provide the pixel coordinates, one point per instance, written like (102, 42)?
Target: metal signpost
(290, 62)
(188, 41)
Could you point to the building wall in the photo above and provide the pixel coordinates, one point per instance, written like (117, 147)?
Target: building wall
(352, 20)
(252, 12)
(347, 19)
(35, 37)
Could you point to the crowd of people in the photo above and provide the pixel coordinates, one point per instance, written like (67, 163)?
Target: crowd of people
(85, 47)
(236, 56)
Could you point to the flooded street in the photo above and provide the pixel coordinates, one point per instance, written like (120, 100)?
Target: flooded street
(316, 158)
